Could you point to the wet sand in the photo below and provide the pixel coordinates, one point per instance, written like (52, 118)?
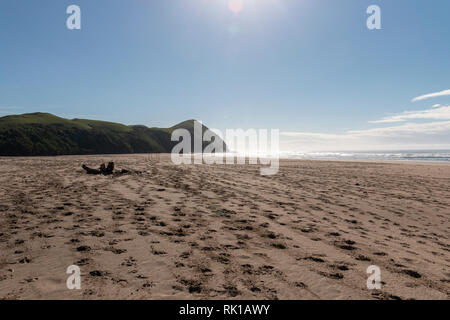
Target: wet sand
(223, 232)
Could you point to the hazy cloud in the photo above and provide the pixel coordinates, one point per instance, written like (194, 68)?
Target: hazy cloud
(432, 135)
(432, 95)
(438, 112)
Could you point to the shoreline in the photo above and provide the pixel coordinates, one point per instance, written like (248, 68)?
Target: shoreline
(281, 159)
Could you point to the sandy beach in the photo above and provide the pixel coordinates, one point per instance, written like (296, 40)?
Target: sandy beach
(223, 232)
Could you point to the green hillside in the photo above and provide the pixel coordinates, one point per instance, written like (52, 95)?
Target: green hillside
(44, 134)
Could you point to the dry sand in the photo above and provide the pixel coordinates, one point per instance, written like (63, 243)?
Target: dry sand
(223, 232)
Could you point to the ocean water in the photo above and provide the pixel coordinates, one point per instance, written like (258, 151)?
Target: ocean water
(421, 155)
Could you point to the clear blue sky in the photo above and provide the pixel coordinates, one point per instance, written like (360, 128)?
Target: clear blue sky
(297, 65)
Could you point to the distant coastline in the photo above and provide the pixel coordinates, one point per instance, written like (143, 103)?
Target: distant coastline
(399, 155)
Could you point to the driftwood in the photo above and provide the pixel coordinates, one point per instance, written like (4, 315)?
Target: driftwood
(105, 170)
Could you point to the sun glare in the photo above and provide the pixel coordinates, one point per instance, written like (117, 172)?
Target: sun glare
(235, 6)
(239, 6)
